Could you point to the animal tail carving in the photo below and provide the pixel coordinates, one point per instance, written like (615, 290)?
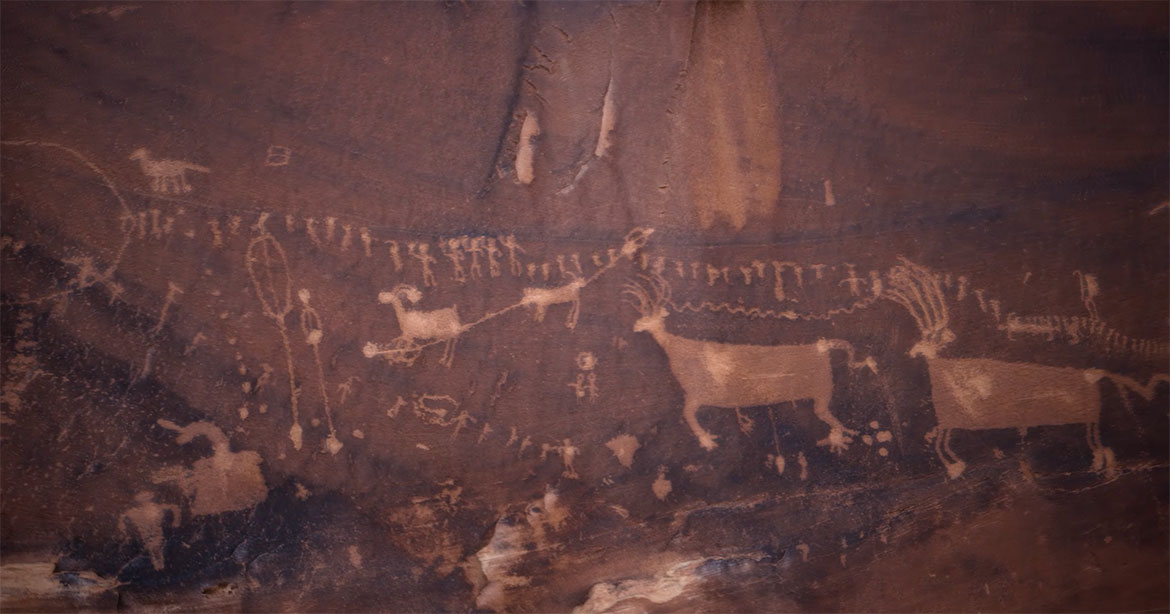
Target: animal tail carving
(1124, 383)
(195, 167)
(838, 344)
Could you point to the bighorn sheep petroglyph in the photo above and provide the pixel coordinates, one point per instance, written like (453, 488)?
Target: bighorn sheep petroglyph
(736, 376)
(421, 326)
(980, 393)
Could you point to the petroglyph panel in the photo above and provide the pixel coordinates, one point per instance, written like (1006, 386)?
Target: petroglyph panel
(584, 307)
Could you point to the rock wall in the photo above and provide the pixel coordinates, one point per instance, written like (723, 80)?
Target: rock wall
(584, 307)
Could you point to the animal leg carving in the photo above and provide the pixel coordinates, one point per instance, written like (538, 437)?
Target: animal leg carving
(839, 437)
(707, 440)
(574, 311)
(956, 466)
(1103, 459)
(448, 353)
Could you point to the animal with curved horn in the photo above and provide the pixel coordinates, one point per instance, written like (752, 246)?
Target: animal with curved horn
(982, 393)
(417, 325)
(727, 375)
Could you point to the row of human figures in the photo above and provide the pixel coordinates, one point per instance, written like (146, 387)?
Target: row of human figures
(967, 393)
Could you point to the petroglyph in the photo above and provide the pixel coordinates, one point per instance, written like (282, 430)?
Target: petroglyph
(661, 486)
(443, 325)
(127, 217)
(147, 522)
(514, 250)
(568, 453)
(166, 176)
(435, 409)
(225, 482)
(172, 290)
(216, 233)
(585, 384)
(268, 268)
(21, 367)
(311, 232)
(312, 328)
(623, 447)
(421, 252)
(540, 299)
(474, 246)
(367, 241)
(418, 326)
(981, 393)
(277, 155)
(452, 251)
(346, 388)
(1089, 291)
(395, 255)
(734, 375)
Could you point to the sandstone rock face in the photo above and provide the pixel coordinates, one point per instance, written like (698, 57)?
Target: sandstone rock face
(591, 307)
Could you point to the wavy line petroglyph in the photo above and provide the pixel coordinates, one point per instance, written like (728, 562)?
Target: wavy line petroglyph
(734, 375)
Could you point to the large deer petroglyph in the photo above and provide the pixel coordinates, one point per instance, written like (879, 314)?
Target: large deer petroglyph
(736, 376)
(981, 393)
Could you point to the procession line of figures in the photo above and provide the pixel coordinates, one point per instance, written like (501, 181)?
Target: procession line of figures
(967, 393)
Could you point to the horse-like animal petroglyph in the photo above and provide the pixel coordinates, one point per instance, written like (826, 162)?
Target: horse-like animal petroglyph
(983, 393)
(540, 299)
(739, 375)
(166, 175)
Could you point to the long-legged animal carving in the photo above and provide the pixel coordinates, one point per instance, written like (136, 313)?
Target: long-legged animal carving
(166, 175)
(981, 393)
(735, 376)
(540, 299)
(423, 326)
